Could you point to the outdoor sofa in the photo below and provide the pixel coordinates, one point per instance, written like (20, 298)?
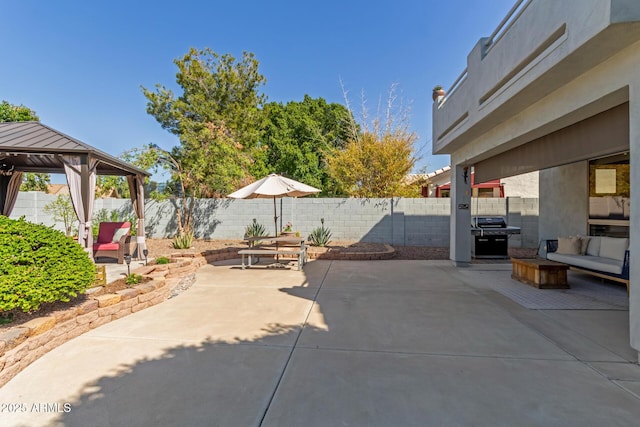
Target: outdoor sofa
(605, 257)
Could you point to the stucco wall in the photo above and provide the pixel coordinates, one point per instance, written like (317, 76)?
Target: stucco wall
(525, 185)
(585, 21)
(413, 222)
(564, 202)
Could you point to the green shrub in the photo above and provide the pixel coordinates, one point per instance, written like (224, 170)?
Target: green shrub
(320, 236)
(39, 264)
(183, 241)
(162, 260)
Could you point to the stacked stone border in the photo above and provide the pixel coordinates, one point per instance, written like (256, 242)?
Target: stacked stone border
(335, 254)
(22, 345)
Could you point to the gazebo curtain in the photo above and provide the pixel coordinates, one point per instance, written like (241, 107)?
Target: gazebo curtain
(9, 188)
(81, 177)
(136, 188)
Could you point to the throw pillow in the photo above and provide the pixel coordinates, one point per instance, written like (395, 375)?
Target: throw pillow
(612, 247)
(118, 234)
(584, 244)
(594, 246)
(569, 245)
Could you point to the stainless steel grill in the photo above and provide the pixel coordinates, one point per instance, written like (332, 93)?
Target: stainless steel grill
(491, 237)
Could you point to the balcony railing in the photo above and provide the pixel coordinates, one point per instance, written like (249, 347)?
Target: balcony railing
(506, 23)
(492, 40)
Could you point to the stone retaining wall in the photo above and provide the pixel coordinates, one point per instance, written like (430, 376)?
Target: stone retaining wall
(20, 346)
(387, 253)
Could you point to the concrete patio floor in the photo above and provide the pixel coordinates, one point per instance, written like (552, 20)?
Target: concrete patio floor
(381, 343)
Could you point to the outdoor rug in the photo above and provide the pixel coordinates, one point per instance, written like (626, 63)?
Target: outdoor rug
(586, 293)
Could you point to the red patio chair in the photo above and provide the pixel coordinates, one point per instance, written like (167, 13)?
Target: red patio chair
(113, 241)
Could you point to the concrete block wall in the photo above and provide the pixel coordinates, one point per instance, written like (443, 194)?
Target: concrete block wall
(30, 204)
(399, 221)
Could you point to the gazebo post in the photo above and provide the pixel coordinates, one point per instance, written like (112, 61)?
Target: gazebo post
(86, 201)
(136, 189)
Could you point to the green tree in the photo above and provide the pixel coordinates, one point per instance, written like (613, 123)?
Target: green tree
(183, 185)
(217, 118)
(108, 184)
(298, 136)
(20, 113)
(375, 161)
(16, 113)
(35, 182)
(62, 211)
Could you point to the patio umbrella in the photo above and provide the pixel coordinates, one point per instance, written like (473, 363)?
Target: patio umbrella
(274, 186)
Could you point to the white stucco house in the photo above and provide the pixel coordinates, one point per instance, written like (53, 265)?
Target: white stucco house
(555, 89)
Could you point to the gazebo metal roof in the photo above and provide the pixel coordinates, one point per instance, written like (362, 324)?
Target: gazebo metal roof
(35, 147)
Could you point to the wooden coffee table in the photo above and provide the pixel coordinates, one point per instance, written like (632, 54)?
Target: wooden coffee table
(540, 273)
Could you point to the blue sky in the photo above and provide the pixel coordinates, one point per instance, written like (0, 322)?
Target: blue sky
(80, 64)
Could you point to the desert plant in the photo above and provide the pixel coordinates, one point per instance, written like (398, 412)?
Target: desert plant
(162, 260)
(133, 279)
(320, 236)
(255, 229)
(39, 265)
(183, 241)
(62, 210)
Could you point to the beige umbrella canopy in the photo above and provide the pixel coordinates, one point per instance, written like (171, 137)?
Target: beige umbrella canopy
(273, 186)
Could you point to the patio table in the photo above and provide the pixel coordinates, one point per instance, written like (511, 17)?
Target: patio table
(540, 273)
(298, 240)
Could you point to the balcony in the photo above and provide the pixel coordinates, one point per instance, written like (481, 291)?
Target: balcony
(540, 46)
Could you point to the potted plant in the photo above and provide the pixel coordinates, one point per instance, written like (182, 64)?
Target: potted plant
(288, 230)
(438, 91)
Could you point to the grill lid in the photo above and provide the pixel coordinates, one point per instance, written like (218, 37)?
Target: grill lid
(488, 222)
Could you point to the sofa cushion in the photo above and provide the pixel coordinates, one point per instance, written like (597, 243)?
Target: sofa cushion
(593, 248)
(612, 247)
(106, 246)
(604, 265)
(569, 245)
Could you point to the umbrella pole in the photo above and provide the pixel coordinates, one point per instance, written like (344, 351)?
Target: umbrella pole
(275, 221)
(275, 216)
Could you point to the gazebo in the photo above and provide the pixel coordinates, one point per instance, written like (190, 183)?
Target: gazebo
(35, 147)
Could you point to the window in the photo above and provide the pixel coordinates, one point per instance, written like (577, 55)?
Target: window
(609, 196)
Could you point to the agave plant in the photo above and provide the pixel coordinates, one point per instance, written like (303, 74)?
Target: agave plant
(255, 229)
(320, 236)
(183, 241)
